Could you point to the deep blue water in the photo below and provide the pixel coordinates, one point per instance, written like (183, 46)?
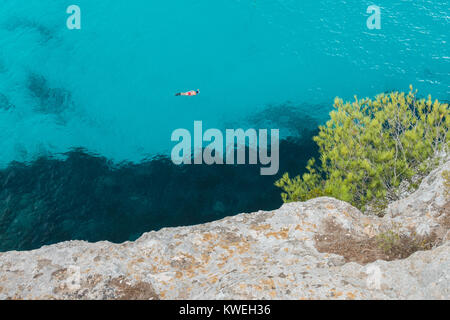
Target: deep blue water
(83, 112)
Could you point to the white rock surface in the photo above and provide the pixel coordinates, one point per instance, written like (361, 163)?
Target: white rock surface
(426, 208)
(261, 255)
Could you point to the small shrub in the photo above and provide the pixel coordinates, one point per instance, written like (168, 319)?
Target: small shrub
(397, 246)
(388, 245)
(386, 241)
(369, 147)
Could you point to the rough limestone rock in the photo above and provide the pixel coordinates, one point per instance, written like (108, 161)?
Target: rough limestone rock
(280, 254)
(427, 209)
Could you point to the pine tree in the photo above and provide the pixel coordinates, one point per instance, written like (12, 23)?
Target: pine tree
(369, 147)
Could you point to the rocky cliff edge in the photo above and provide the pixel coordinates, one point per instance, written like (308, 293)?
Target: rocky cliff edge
(319, 249)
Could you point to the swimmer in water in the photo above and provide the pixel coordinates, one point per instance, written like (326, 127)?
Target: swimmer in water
(189, 93)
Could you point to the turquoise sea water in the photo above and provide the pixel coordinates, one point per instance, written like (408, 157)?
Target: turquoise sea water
(118, 75)
(109, 90)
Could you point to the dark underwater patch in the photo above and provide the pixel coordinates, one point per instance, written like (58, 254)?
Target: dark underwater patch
(293, 120)
(2, 67)
(85, 197)
(4, 103)
(45, 33)
(51, 100)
